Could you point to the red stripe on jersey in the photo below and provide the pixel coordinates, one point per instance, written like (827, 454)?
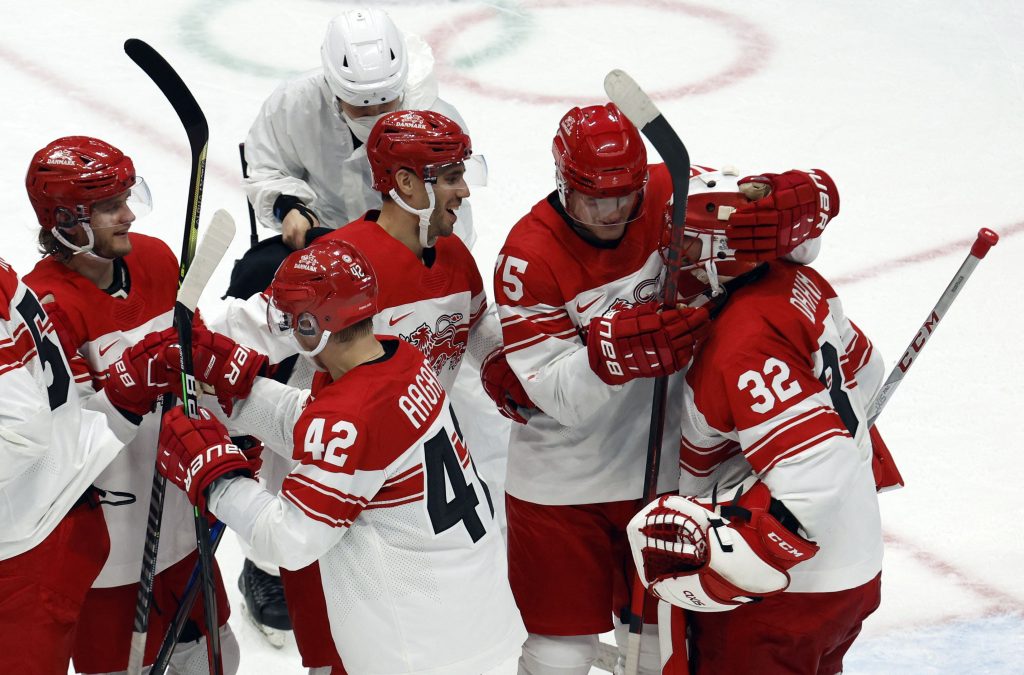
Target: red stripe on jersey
(702, 462)
(314, 514)
(8, 287)
(404, 488)
(18, 350)
(320, 502)
(795, 435)
(478, 313)
(520, 332)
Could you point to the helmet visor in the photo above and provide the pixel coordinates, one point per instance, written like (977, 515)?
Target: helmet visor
(601, 211)
(107, 213)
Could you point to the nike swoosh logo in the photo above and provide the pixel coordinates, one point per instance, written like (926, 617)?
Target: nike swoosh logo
(104, 350)
(582, 308)
(394, 321)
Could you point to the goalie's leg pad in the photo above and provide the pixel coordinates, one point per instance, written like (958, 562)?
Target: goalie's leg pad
(558, 654)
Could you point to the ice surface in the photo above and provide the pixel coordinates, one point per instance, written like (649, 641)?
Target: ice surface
(915, 108)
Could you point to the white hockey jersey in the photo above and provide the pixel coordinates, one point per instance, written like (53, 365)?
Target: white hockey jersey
(299, 145)
(589, 443)
(387, 499)
(53, 444)
(779, 391)
(104, 326)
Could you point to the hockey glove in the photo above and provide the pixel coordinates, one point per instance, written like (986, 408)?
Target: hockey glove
(703, 560)
(504, 388)
(644, 341)
(221, 363)
(196, 452)
(136, 380)
(786, 209)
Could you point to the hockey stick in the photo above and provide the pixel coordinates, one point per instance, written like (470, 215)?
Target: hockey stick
(188, 599)
(986, 240)
(196, 129)
(254, 238)
(641, 111)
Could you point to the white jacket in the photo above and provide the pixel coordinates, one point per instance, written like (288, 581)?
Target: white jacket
(299, 145)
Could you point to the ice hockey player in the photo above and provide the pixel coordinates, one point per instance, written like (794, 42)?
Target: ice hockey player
(385, 498)
(430, 292)
(576, 285)
(53, 444)
(779, 502)
(114, 288)
(308, 168)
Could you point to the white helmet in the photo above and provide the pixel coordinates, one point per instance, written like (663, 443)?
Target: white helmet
(364, 57)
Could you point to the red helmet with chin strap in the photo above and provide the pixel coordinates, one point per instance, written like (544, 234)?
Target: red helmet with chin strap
(421, 141)
(71, 174)
(328, 285)
(599, 152)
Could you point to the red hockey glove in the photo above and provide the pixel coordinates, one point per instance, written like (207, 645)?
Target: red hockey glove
(221, 363)
(504, 388)
(194, 453)
(714, 559)
(136, 380)
(644, 341)
(786, 210)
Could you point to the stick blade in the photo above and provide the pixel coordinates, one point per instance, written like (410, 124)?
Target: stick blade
(172, 86)
(634, 103)
(209, 253)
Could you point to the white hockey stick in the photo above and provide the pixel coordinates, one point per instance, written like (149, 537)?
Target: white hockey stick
(986, 240)
(208, 255)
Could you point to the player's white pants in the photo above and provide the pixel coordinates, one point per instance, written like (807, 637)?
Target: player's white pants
(574, 655)
(190, 657)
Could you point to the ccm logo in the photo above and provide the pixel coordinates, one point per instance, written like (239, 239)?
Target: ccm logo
(693, 599)
(785, 546)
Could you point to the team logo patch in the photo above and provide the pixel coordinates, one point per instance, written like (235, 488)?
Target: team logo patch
(442, 346)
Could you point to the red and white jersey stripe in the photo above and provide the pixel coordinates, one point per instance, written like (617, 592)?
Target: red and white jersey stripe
(779, 390)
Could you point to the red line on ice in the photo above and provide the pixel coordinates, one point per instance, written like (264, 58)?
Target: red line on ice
(88, 99)
(755, 46)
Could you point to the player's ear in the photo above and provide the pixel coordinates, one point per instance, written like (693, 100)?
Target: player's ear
(406, 182)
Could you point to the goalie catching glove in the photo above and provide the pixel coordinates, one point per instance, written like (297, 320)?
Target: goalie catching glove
(196, 452)
(713, 560)
(644, 341)
(786, 209)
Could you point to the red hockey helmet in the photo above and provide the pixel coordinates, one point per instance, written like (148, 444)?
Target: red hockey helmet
(599, 154)
(327, 286)
(421, 141)
(72, 173)
(713, 196)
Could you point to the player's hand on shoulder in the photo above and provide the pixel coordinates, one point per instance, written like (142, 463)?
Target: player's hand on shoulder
(644, 341)
(141, 376)
(715, 557)
(222, 363)
(193, 453)
(785, 210)
(503, 386)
